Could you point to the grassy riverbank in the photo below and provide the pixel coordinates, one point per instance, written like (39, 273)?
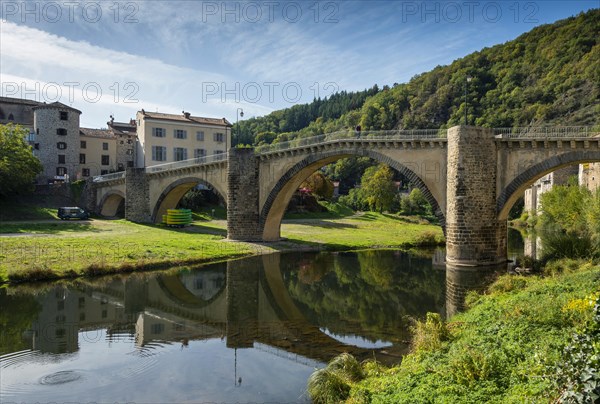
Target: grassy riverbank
(504, 349)
(52, 249)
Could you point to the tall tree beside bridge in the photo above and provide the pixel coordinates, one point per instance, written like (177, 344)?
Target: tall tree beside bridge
(18, 165)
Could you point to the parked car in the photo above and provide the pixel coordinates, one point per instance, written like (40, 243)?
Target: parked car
(66, 213)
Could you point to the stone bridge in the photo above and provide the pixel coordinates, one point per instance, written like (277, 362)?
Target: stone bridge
(471, 176)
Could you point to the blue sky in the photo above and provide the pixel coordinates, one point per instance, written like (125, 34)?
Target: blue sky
(212, 57)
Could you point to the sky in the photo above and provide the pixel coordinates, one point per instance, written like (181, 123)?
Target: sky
(218, 58)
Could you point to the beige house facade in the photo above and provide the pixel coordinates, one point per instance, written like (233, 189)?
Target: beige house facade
(166, 138)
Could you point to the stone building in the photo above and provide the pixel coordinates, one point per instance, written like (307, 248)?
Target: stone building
(17, 111)
(545, 184)
(589, 175)
(56, 141)
(165, 138)
(98, 152)
(126, 138)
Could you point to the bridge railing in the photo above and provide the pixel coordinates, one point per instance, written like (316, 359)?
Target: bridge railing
(187, 163)
(410, 134)
(547, 132)
(109, 177)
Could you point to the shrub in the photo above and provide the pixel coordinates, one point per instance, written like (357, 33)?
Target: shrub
(578, 375)
(325, 386)
(428, 335)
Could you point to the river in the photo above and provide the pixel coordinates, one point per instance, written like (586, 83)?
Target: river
(250, 330)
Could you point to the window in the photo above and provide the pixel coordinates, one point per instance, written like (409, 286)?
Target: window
(180, 134)
(129, 152)
(85, 172)
(130, 164)
(60, 305)
(81, 302)
(159, 153)
(157, 328)
(64, 116)
(36, 146)
(105, 160)
(218, 137)
(61, 132)
(61, 159)
(120, 167)
(81, 316)
(11, 117)
(159, 132)
(104, 146)
(104, 313)
(199, 153)
(200, 136)
(121, 142)
(61, 145)
(61, 170)
(83, 144)
(81, 158)
(128, 141)
(179, 153)
(219, 151)
(103, 172)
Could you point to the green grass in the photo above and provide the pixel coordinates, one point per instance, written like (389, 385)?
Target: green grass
(60, 249)
(334, 210)
(504, 349)
(109, 246)
(361, 231)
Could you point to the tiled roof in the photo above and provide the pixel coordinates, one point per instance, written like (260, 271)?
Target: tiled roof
(10, 100)
(123, 128)
(184, 118)
(56, 105)
(103, 133)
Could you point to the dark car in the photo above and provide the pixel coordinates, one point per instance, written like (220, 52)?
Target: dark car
(72, 213)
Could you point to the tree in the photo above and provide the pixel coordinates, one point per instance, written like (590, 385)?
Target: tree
(18, 165)
(319, 185)
(378, 187)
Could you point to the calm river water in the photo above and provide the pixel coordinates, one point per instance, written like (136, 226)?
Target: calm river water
(250, 330)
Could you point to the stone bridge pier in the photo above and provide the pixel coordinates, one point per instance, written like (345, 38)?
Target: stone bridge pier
(474, 235)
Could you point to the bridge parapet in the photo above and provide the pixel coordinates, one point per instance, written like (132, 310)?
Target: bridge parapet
(198, 161)
(354, 137)
(548, 132)
(112, 177)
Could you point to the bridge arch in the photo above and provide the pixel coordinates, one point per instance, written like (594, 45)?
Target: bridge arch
(509, 194)
(110, 203)
(172, 194)
(280, 195)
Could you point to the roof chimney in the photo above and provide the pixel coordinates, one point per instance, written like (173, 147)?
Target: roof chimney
(186, 114)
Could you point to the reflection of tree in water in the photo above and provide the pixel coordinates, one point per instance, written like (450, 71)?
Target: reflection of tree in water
(17, 314)
(368, 293)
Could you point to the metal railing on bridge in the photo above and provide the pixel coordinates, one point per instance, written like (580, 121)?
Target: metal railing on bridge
(547, 132)
(213, 158)
(352, 135)
(109, 177)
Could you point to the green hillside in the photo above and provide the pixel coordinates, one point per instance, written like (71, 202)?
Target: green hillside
(549, 75)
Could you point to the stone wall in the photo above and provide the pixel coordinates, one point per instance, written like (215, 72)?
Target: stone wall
(46, 123)
(137, 196)
(242, 198)
(474, 236)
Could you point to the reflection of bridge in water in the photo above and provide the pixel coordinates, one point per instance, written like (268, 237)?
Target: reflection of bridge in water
(245, 302)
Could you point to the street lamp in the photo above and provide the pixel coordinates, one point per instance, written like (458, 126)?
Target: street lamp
(239, 112)
(468, 80)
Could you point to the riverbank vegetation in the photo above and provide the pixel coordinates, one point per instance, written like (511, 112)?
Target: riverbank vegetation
(49, 250)
(514, 344)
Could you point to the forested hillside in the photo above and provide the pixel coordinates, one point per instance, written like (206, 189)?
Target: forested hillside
(549, 75)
